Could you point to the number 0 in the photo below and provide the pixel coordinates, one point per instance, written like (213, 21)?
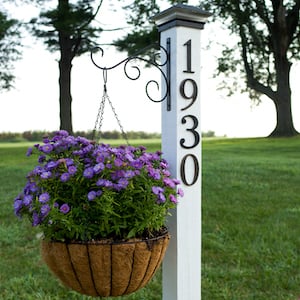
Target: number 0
(183, 169)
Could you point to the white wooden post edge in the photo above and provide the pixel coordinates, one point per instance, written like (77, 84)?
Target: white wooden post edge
(180, 27)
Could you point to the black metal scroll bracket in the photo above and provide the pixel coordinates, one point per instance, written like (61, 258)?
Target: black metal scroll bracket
(165, 61)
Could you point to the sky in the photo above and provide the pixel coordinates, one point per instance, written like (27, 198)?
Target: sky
(33, 104)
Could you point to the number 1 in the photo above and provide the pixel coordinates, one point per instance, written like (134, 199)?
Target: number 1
(188, 45)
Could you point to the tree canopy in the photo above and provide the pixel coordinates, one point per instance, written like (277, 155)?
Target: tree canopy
(10, 48)
(70, 21)
(268, 34)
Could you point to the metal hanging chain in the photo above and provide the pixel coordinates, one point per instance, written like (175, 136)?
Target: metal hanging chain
(99, 118)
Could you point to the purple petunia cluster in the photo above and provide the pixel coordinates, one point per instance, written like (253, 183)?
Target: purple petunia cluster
(74, 173)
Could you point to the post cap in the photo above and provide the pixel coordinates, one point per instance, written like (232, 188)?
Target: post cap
(181, 12)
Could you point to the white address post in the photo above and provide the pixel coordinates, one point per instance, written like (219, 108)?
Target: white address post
(180, 27)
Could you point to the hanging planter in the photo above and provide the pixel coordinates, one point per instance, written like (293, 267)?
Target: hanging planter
(87, 197)
(105, 268)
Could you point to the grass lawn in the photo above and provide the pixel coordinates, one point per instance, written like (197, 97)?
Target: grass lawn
(250, 234)
(251, 218)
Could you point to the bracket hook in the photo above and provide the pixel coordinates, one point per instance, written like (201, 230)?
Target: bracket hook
(105, 78)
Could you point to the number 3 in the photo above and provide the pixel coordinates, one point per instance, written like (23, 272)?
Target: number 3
(192, 130)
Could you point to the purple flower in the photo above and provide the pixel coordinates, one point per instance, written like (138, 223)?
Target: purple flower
(46, 175)
(173, 198)
(108, 166)
(70, 140)
(77, 152)
(104, 182)
(88, 173)
(46, 140)
(129, 157)
(30, 188)
(161, 198)
(117, 174)
(29, 151)
(83, 140)
(98, 168)
(44, 198)
(45, 209)
(46, 148)
(123, 181)
(157, 190)
(166, 173)
(69, 161)
(41, 158)
(164, 165)
(97, 171)
(118, 162)
(51, 164)
(62, 133)
(137, 164)
(154, 173)
(169, 182)
(65, 208)
(37, 170)
(180, 192)
(27, 200)
(35, 219)
(121, 185)
(17, 206)
(91, 195)
(64, 177)
(72, 170)
(129, 174)
(176, 181)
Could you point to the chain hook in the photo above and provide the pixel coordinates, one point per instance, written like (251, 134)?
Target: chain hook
(105, 78)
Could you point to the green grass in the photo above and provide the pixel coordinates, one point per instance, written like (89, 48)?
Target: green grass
(251, 217)
(250, 231)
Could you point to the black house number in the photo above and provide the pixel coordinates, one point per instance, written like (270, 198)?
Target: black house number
(189, 118)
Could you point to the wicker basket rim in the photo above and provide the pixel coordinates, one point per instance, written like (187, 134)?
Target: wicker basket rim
(162, 235)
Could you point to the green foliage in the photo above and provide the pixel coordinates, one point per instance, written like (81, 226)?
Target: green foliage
(35, 136)
(208, 134)
(68, 22)
(137, 40)
(84, 191)
(144, 31)
(9, 49)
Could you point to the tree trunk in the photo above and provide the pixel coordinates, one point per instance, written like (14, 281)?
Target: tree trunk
(284, 126)
(283, 95)
(65, 66)
(65, 98)
(283, 103)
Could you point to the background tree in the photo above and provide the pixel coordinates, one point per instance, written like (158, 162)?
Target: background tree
(67, 29)
(268, 43)
(9, 48)
(144, 31)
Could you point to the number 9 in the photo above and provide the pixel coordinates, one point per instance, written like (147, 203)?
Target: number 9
(194, 94)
